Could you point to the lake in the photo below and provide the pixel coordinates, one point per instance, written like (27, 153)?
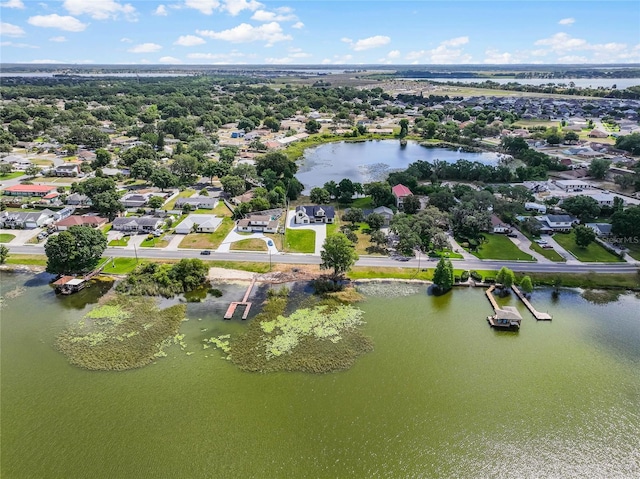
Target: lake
(621, 83)
(441, 396)
(372, 160)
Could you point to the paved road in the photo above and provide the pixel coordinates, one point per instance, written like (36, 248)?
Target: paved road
(370, 261)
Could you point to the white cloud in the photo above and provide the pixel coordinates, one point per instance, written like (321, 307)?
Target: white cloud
(17, 45)
(145, 48)
(66, 23)
(278, 16)
(203, 6)
(45, 61)
(171, 60)
(245, 33)
(126, 40)
(231, 57)
(100, 9)
(161, 11)
(562, 42)
(390, 57)
(189, 41)
(298, 25)
(12, 4)
(10, 30)
(367, 43)
(338, 60)
(495, 57)
(236, 6)
(278, 61)
(445, 53)
(572, 59)
(298, 53)
(567, 21)
(59, 39)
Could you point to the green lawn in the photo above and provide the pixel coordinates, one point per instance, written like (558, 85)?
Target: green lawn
(300, 241)
(592, 253)
(249, 244)
(500, 247)
(12, 175)
(364, 203)
(634, 250)
(153, 242)
(550, 254)
(209, 240)
(33, 260)
(120, 266)
(124, 241)
(6, 237)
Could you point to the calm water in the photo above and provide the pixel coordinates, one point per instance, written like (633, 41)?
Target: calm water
(621, 83)
(442, 396)
(369, 161)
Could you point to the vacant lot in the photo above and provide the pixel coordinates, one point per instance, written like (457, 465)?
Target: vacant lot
(249, 244)
(209, 240)
(592, 253)
(6, 237)
(500, 247)
(300, 241)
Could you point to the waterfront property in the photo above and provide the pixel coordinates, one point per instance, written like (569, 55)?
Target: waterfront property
(400, 192)
(314, 214)
(506, 317)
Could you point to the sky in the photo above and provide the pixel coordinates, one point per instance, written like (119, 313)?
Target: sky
(319, 32)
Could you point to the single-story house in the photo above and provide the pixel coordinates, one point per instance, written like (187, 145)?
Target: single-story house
(606, 199)
(135, 200)
(258, 223)
(595, 133)
(76, 199)
(601, 229)
(143, 224)
(29, 220)
(68, 169)
(556, 223)
(202, 224)
(573, 185)
(537, 207)
(81, 220)
(400, 192)
(385, 212)
(197, 202)
(314, 214)
(498, 226)
(17, 162)
(29, 190)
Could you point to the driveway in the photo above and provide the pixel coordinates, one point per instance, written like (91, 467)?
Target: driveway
(320, 229)
(21, 236)
(560, 250)
(524, 244)
(234, 236)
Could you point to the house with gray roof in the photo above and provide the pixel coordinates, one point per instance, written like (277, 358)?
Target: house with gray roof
(135, 224)
(314, 214)
(197, 202)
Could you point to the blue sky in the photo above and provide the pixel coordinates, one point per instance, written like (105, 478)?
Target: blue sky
(319, 32)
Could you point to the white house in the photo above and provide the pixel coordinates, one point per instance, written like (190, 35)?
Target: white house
(557, 223)
(258, 223)
(20, 220)
(537, 207)
(143, 224)
(314, 214)
(605, 199)
(601, 229)
(199, 223)
(573, 185)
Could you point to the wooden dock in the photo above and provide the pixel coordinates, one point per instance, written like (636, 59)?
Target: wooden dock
(540, 316)
(492, 300)
(247, 305)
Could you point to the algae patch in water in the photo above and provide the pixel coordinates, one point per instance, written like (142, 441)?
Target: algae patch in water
(123, 333)
(321, 339)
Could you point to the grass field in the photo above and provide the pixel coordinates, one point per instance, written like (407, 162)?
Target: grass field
(221, 210)
(27, 259)
(11, 176)
(154, 242)
(121, 266)
(592, 253)
(124, 241)
(249, 244)
(6, 237)
(500, 247)
(300, 241)
(209, 240)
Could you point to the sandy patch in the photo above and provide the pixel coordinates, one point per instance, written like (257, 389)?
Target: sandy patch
(229, 274)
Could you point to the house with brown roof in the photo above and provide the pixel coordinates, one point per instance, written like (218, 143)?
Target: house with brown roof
(81, 220)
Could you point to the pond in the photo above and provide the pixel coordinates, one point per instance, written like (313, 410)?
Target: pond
(369, 161)
(442, 395)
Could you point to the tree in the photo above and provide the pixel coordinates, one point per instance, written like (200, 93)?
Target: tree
(444, 199)
(233, 185)
(404, 127)
(411, 204)
(346, 190)
(332, 188)
(443, 275)
(320, 196)
(380, 193)
(440, 241)
(5, 169)
(626, 223)
(354, 215)
(526, 285)
(375, 221)
(571, 137)
(630, 143)
(312, 126)
(584, 236)
(278, 162)
(107, 203)
(4, 253)
(505, 277)
(32, 170)
(186, 167)
(143, 168)
(75, 251)
(338, 253)
(216, 168)
(598, 168)
(162, 178)
(155, 202)
(271, 123)
(103, 158)
(378, 238)
(582, 206)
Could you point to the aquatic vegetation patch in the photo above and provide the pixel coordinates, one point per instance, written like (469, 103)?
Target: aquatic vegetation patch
(123, 333)
(601, 296)
(321, 339)
(388, 289)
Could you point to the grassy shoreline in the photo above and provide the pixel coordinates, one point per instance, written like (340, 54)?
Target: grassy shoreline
(629, 281)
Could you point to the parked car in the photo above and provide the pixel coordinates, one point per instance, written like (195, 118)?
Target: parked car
(270, 243)
(541, 241)
(546, 246)
(205, 252)
(512, 235)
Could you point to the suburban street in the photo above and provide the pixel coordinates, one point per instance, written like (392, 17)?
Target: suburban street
(367, 261)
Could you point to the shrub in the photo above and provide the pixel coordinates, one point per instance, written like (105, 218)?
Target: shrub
(464, 276)
(475, 276)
